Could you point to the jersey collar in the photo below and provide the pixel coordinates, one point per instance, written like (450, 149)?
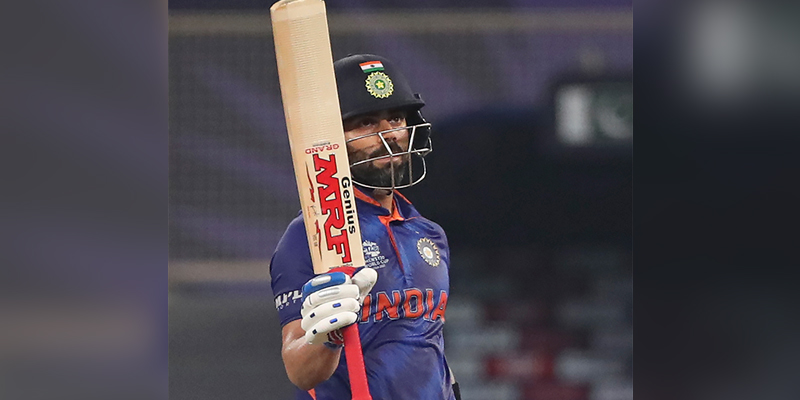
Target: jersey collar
(403, 209)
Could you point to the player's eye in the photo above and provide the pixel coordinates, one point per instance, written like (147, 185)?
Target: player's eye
(366, 122)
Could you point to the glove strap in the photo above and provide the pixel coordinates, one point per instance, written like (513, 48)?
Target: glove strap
(335, 340)
(350, 271)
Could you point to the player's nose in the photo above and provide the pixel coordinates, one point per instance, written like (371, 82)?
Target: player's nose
(384, 125)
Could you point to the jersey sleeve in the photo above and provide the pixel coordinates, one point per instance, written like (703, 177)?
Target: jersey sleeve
(290, 268)
(445, 250)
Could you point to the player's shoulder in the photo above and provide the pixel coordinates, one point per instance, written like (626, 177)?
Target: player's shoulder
(295, 234)
(292, 249)
(433, 228)
(297, 224)
(410, 212)
(296, 227)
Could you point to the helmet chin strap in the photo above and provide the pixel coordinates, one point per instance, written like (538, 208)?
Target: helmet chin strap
(420, 152)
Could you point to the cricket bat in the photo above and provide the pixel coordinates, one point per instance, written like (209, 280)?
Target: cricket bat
(319, 151)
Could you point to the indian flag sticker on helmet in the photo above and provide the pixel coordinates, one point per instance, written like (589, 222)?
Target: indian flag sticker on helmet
(371, 66)
(379, 85)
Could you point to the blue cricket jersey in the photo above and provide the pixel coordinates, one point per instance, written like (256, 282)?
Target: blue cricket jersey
(402, 318)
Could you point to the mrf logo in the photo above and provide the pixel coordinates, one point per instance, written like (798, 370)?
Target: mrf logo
(336, 201)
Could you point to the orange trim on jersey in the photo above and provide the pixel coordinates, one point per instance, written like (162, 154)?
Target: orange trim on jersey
(365, 197)
(313, 394)
(402, 197)
(386, 219)
(394, 216)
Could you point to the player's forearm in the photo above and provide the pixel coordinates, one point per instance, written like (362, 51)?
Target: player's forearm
(308, 365)
(330, 301)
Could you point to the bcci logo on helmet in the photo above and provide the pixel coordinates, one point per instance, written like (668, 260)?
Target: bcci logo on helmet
(379, 85)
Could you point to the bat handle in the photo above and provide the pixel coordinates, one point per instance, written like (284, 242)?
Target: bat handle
(355, 363)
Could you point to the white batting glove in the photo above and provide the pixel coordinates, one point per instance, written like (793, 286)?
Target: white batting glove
(332, 301)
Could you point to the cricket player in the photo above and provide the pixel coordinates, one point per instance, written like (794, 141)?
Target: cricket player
(398, 299)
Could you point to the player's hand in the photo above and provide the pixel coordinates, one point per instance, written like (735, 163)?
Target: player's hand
(332, 301)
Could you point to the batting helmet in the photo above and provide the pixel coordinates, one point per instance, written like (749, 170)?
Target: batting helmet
(369, 83)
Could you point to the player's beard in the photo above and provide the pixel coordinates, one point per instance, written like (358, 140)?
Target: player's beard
(370, 174)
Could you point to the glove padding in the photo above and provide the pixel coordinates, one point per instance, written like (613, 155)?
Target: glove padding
(332, 301)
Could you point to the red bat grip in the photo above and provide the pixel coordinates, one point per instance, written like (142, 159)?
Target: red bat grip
(355, 363)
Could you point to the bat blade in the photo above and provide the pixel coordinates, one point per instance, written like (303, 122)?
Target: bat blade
(316, 136)
(319, 151)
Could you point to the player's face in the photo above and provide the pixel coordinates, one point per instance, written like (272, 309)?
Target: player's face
(366, 127)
